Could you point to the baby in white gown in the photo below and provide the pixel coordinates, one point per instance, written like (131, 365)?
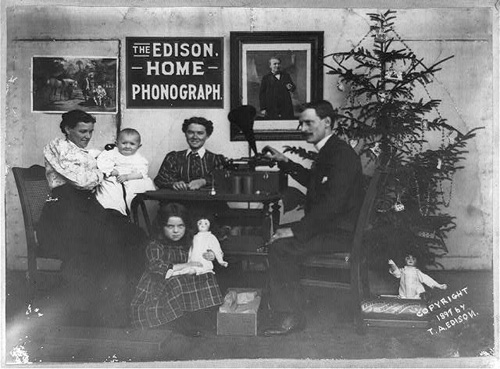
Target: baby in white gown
(125, 172)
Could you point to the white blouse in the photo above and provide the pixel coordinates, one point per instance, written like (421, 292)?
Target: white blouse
(65, 162)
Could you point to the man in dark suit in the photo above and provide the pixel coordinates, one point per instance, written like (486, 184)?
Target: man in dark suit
(333, 200)
(274, 94)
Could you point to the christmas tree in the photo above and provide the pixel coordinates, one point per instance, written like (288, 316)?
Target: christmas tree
(387, 122)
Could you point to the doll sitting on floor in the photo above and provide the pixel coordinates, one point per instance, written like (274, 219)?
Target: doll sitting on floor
(412, 281)
(203, 242)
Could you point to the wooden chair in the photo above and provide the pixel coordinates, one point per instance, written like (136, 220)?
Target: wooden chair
(352, 265)
(369, 310)
(33, 191)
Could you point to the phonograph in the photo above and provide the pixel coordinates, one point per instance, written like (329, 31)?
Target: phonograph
(252, 174)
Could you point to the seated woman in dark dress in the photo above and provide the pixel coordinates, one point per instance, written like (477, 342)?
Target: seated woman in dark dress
(190, 169)
(158, 300)
(100, 251)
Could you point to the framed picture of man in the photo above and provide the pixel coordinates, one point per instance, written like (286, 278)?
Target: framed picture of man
(275, 72)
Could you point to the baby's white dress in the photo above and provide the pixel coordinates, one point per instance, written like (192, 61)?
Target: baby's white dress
(110, 192)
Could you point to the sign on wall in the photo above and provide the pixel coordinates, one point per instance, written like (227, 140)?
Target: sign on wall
(168, 72)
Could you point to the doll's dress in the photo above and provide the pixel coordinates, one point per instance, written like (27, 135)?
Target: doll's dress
(412, 282)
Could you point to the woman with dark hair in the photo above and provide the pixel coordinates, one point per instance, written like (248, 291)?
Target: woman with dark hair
(190, 169)
(158, 300)
(99, 250)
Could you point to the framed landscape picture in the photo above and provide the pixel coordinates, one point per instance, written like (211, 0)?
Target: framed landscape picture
(62, 83)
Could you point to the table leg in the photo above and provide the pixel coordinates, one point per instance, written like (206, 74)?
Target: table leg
(267, 223)
(136, 202)
(133, 208)
(276, 215)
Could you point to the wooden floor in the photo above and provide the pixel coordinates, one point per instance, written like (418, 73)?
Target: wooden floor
(329, 335)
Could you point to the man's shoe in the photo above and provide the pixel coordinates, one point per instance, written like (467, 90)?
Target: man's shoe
(289, 323)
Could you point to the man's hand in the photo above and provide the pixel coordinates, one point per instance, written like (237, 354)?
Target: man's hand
(196, 184)
(281, 233)
(209, 255)
(274, 154)
(180, 186)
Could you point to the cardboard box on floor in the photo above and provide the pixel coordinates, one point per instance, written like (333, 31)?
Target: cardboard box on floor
(243, 320)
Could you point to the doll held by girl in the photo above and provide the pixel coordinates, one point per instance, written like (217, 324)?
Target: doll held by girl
(203, 242)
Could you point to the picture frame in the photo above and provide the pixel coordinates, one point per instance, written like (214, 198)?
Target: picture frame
(301, 59)
(63, 83)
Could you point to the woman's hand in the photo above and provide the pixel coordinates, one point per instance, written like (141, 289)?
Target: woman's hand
(209, 255)
(180, 186)
(196, 184)
(122, 178)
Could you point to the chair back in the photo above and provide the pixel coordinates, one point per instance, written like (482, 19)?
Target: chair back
(33, 190)
(359, 269)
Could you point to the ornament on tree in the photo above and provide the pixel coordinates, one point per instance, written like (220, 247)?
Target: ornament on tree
(446, 202)
(382, 96)
(393, 75)
(340, 86)
(380, 36)
(353, 142)
(339, 58)
(439, 164)
(398, 206)
(399, 143)
(426, 235)
(376, 149)
(425, 124)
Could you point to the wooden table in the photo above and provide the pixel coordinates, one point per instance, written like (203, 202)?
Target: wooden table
(244, 248)
(270, 211)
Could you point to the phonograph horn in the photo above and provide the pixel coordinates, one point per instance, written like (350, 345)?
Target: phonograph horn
(243, 118)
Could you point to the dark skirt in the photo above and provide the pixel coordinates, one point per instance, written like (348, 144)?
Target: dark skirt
(102, 253)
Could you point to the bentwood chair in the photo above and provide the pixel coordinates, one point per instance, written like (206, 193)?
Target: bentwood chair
(33, 192)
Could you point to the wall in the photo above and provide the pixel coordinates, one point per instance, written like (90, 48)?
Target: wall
(464, 85)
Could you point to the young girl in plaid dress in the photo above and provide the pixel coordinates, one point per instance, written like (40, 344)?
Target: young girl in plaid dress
(157, 300)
